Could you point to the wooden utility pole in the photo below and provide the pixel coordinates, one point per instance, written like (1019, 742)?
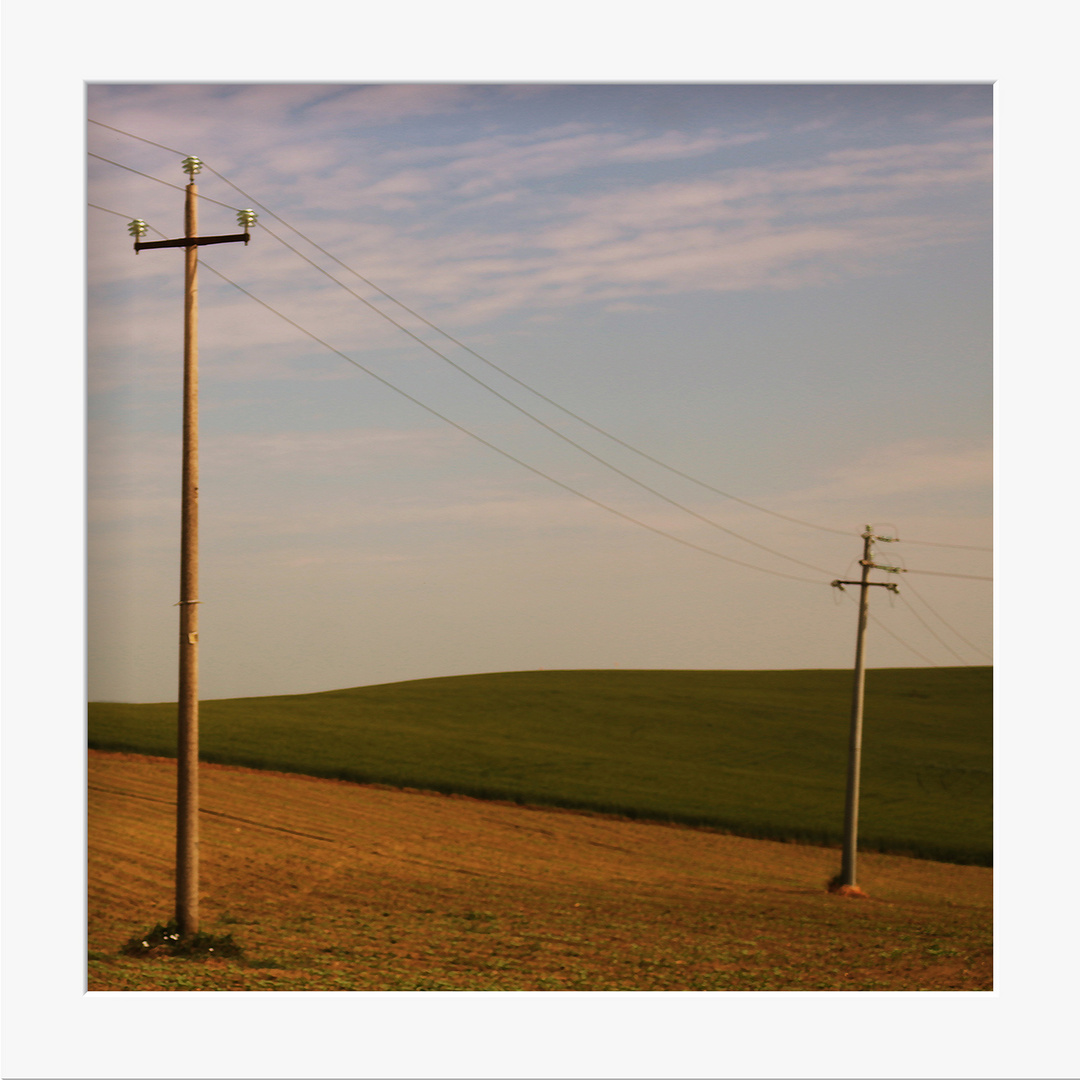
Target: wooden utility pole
(187, 757)
(851, 804)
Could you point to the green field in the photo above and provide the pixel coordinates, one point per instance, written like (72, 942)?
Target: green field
(757, 753)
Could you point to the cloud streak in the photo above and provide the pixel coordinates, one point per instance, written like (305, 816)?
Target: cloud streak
(403, 216)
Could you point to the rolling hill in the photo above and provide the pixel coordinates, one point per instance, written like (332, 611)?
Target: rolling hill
(755, 753)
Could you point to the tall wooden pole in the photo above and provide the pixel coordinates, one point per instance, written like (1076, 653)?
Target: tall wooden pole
(187, 781)
(187, 755)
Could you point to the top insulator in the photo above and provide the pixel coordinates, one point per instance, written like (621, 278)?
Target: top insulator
(191, 165)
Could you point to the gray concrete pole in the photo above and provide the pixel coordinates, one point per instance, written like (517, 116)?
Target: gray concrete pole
(851, 807)
(187, 787)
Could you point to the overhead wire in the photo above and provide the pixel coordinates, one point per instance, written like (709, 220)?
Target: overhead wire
(497, 449)
(547, 427)
(877, 622)
(137, 172)
(531, 468)
(502, 371)
(932, 631)
(935, 543)
(478, 438)
(943, 573)
(490, 445)
(108, 211)
(903, 569)
(531, 389)
(908, 587)
(911, 648)
(496, 393)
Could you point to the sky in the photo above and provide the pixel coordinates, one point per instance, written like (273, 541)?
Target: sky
(780, 292)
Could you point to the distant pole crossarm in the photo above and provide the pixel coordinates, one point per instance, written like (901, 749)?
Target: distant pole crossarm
(187, 757)
(890, 585)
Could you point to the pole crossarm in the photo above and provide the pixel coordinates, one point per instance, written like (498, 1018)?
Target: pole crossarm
(890, 585)
(195, 241)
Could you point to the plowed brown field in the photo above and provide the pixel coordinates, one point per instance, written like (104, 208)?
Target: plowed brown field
(337, 886)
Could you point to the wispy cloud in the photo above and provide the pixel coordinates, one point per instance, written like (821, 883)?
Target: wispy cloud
(911, 467)
(386, 104)
(777, 227)
(473, 228)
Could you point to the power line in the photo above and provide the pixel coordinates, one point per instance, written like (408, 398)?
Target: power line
(514, 378)
(480, 439)
(931, 630)
(507, 374)
(942, 573)
(157, 180)
(490, 389)
(498, 450)
(877, 622)
(901, 569)
(567, 487)
(934, 543)
(547, 427)
(116, 212)
(128, 168)
(120, 131)
(911, 648)
(531, 389)
(915, 592)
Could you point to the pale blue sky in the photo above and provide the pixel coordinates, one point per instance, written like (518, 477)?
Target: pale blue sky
(783, 291)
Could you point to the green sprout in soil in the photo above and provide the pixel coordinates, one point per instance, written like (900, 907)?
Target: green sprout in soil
(168, 940)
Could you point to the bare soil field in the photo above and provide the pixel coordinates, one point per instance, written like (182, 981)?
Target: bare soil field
(331, 885)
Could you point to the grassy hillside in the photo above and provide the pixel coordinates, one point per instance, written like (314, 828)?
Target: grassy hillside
(760, 753)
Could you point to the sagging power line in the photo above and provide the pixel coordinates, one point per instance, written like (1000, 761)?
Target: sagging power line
(499, 450)
(492, 446)
(574, 415)
(502, 397)
(937, 615)
(519, 408)
(892, 633)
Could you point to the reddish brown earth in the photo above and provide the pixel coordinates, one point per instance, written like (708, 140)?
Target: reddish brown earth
(330, 885)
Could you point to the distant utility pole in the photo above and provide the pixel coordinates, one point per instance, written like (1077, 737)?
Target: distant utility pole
(187, 774)
(851, 806)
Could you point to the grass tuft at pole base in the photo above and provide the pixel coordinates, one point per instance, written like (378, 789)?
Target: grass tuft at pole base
(168, 939)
